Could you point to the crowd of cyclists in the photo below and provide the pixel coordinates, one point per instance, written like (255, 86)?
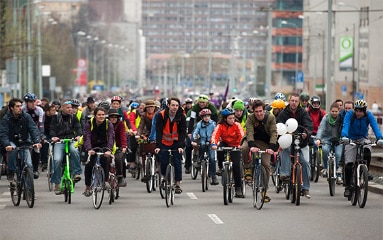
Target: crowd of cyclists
(183, 126)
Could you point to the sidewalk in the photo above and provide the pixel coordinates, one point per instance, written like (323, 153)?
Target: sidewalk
(377, 162)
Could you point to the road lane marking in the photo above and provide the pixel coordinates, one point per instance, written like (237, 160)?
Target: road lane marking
(6, 194)
(215, 219)
(2, 206)
(191, 195)
(4, 199)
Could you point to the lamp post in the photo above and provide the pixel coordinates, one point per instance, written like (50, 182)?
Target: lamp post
(39, 64)
(95, 60)
(296, 51)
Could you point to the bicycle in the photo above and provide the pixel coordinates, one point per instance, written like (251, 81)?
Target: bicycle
(331, 169)
(23, 183)
(227, 175)
(150, 167)
(259, 183)
(50, 165)
(3, 164)
(67, 184)
(359, 180)
(315, 161)
(97, 187)
(276, 173)
(204, 163)
(114, 188)
(139, 168)
(195, 168)
(169, 181)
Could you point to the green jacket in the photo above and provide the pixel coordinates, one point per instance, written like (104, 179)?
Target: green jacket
(270, 129)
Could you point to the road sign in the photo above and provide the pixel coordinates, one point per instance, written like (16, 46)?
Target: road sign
(300, 79)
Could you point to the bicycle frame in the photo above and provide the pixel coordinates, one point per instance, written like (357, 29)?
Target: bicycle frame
(227, 178)
(205, 161)
(259, 185)
(296, 186)
(67, 175)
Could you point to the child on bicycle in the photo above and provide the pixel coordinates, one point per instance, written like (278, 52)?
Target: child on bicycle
(204, 131)
(229, 133)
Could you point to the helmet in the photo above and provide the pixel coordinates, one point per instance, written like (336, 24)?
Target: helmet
(204, 112)
(226, 112)
(203, 98)
(188, 100)
(56, 102)
(360, 103)
(238, 105)
(134, 105)
(75, 102)
(116, 98)
(315, 99)
(280, 95)
(157, 103)
(30, 97)
(252, 99)
(164, 103)
(104, 104)
(278, 104)
(304, 96)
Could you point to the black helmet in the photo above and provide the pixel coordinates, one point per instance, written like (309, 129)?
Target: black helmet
(104, 104)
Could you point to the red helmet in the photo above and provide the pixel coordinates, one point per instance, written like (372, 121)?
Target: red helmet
(204, 112)
(116, 98)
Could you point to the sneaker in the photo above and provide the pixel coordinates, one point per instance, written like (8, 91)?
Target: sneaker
(306, 193)
(238, 192)
(339, 181)
(266, 198)
(339, 170)
(76, 178)
(36, 174)
(219, 172)
(144, 179)
(87, 193)
(44, 167)
(163, 183)
(178, 190)
(214, 180)
(347, 192)
(107, 186)
(57, 189)
(10, 176)
(187, 170)
(122, 183)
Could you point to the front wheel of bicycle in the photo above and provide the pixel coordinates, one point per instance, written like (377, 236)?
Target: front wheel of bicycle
(259, 187)
(29, 188)
(98, 186)
(331, 177)
(225, 185)
(363, 186)
(231, 190)
(204, 176)
(67, 192)
(148, 175)
(317, 162)
(49, 173)
(244, 181)
(15, 189)
(168, 186)
(298, 186)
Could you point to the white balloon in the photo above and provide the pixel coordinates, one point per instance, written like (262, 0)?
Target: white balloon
(291, 125)
(281, 128)
(285, 140)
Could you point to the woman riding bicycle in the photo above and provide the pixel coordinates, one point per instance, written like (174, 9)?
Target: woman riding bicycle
(229, 133)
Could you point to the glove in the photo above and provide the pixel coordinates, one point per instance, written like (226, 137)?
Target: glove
(345, 140)
(379, 142)
(273, 147)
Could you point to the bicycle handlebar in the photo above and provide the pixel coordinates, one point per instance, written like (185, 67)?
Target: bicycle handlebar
(227, 149)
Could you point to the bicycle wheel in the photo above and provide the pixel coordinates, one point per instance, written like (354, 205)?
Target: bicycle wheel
(67, 192)
(363, 186)
(148, 175)
(50, 172)
(231, 189)
(317, 163)
(29, 187)
(172, 189)
(97, 186)
(244, 182)
(168, 186)
(162, 187)
(112, 188)
(257, 189)
(193, 168)
(225, 185)
(138, 166)
(298, 186)
(15, 189)
(331, 177)
(204, 177)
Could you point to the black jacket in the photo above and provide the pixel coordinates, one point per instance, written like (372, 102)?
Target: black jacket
(65, 126)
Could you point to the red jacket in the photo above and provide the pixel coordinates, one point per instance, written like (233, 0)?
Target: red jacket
(120, 135)
(229, 134)
(316, 116)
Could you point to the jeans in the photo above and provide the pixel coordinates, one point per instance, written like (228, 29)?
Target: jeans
(58, 157)
(338, 150)
(211, 153)
(177, 160)
(303, 159)
(12, 158)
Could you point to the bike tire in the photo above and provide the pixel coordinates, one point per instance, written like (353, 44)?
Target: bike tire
(312, 163)
(148, 175)
(317, 162)
(225, 183)
(298, 186)
(161, 188)
(168, 186)
(112, 182)
(15, 188)
(244, 182)
(231, 189)
(29, 187)
(204, 176)
(67, 191)
(331, 178)
(98, 186)
(354, 189)
(363, 186)
(49, 172)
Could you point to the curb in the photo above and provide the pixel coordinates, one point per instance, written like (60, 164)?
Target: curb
(375, 188)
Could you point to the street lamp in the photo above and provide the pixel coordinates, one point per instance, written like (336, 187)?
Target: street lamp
(296, 51)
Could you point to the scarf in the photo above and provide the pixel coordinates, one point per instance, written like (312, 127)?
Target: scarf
(331, 120)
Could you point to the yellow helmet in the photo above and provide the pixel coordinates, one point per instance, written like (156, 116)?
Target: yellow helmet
(278, 104)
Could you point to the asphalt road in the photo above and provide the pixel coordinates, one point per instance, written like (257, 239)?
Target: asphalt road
(195, 215)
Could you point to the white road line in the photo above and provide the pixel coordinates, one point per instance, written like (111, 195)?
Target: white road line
(215, 219)
(5, 199)
(191, 195)
(2, 206)
(6, 194)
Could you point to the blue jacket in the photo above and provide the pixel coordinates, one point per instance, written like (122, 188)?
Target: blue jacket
(204, 131)
(355, 129)
(152, 136)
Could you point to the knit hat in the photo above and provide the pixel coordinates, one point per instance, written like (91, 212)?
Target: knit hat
(238, 105)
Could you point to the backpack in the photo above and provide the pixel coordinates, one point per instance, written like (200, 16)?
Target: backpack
(3, 111)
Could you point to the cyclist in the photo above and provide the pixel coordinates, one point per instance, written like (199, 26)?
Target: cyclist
(188, 105)
(76, 109)
(134, 118)
(240, 113)
(355, 127)
(304, 98)
(98, 133)
(329, 132)
(121, 143)
(229, 133)
(276, 107)
(203, 131)
(57, 104)
(251, 100)
(87, 112)
(348, 105)
(50, 111)
(17, 129)
(170, 134)
(261, 134)
(294, 110)
(192, 115)
(65, 125)
(37, 114)
(163, 105)
(281, 96)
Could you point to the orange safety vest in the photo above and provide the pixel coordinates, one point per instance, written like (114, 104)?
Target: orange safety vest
(169, 135)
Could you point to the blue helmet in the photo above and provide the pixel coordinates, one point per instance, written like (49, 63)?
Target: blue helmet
(226, 112)
(30, 97)
(134, 105)
(281, 96)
